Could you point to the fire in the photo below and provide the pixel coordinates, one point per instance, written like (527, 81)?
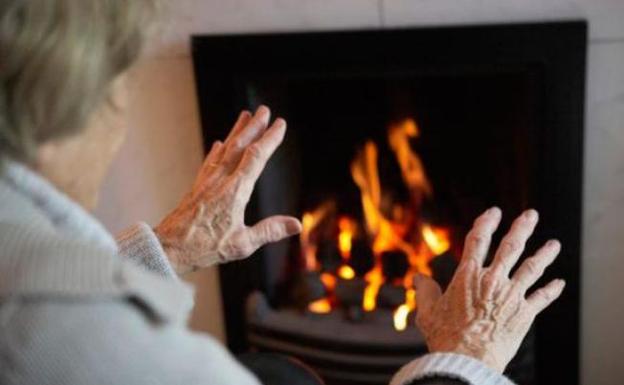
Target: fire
(346, 272)
(366, 177)
(386, 233)
(347, 230)
(375, 279)
(309, 222)
(411, 165)
(389, 226)
(321, 306)
(438, 240)
(402, 312)
(329, 281)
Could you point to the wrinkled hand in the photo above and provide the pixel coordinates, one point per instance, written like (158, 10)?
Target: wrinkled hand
(483, 313)
(208, 226)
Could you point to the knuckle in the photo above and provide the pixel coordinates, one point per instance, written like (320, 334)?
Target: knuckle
(476, 238)
(489, 280)
(238, 144)
(511, 245)
(247, 250)
(246, 246)
(483, 218)
(269, 232)
(254, 152)
(235, 186)
(532, 266)
(546, 295)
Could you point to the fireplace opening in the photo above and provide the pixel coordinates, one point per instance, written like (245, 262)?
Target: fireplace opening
(397, 140)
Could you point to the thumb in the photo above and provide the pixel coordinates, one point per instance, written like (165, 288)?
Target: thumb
(273, 229)
(427, 293)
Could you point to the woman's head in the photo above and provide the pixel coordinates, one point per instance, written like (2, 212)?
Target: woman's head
(60, 61)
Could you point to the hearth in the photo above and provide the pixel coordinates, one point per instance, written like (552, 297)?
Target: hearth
(397, 140)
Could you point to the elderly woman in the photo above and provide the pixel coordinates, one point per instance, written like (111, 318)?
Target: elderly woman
(79, 307)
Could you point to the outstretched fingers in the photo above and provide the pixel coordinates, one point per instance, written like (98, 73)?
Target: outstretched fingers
(242, 121)
(258, 154)
(513, 244)
(479, 238)
(269, 230)
(212, 168)
(533, 267)
(542, 298)
(245, 134)
(205, 176)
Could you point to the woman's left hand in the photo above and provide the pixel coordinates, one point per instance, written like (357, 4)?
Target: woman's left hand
(208, 226)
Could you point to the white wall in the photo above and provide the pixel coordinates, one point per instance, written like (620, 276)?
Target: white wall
(164, 148)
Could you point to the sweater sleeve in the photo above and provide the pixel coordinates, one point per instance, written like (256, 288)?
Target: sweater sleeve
(140, 245)
(451, 366)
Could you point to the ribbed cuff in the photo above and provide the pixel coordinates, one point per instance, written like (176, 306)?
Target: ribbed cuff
(449, 365)
(141, 245)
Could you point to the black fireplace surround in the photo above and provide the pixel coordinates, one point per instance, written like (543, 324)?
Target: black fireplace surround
(501, 110)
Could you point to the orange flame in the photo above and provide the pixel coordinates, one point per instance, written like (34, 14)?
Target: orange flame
(402, 312)
(321, 306)
(402, 231)
(347, 228)
(346, 272)
(375, 279)
(437, 239)
(329, 281)
(366, 177)
(309, 221)
(411, 165)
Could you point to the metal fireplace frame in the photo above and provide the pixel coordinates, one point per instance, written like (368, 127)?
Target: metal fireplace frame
(556, 49)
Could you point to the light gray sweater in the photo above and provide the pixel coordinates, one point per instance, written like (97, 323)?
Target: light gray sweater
(77, 307)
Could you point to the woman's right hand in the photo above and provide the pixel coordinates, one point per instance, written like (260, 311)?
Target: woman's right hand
(208, 226)
(485, 314)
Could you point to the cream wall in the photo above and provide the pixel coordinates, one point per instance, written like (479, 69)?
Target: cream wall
(164, 149)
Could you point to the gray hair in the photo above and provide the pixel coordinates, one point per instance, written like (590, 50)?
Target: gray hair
(58, 59)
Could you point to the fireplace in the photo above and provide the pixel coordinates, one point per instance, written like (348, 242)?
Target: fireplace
(397, 140)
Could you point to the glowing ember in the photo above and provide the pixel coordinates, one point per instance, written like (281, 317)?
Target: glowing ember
(329, 281)
(346, 272)
(321, 306)
(402, 312)
(375, 279)
(347, 227)
(400, 317)
(437, 239)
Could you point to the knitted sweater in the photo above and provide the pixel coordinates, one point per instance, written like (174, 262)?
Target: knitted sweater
(77, 307)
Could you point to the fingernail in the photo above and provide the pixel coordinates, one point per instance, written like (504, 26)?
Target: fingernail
(494, 211)
(531, 215)
(293, 227)
(263, 109)
(553, 243)
(562, 282)
(280, 122)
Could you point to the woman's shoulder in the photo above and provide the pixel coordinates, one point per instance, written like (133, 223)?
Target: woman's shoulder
(119, 340)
